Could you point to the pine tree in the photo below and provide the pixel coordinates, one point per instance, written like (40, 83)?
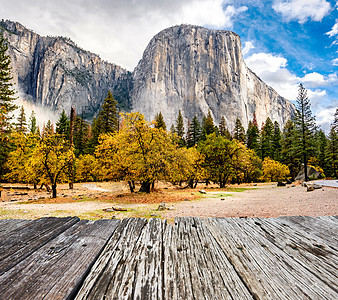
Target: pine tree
(108, 115)
(32, 125)
(276, 141)
(252, 137)
(305, 126)
(21, 125)
(267, 149)
(322, 154)
(172, 129)
(179, 129)
(194, 132)
(223, 129)
(208, 126)
(289, 153)
(333, 146)
(6, 105)
(81, 136)
(48, 129)
(94, 136)
(239, 133)
(6, 87)
(159, 121)
(62, 125)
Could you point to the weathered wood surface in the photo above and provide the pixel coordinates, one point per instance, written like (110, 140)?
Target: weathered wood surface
(265, 268)
(57, 269)
(223, 258)
(22, 241)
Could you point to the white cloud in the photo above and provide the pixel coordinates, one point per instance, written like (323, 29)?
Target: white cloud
(333, 31)
(247, 47)
(325, 117)
(272, 69)
(335, 62)
(209, 12)
(302, 10)
(118, 31)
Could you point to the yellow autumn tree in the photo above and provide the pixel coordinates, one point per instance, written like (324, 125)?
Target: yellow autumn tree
(87, 169)
(19, 160)
(140, 152)
(51, 159)
(274, 170)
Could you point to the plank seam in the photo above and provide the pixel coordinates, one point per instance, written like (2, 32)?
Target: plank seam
(76, 289)
(254, 296)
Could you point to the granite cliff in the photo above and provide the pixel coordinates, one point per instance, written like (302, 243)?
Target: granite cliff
(55, 72)
(194, 69)
(187, 68)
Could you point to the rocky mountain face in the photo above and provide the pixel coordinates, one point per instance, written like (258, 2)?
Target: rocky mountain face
(54, 72)
(187, 68)
(194, 69)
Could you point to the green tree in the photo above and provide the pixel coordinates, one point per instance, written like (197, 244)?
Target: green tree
(108, 118)
(179, 129)
(305, 126)
(289, 153)
(6, 87)
(252, 137)
(32, 125)
(208, 126)
(81, 135)
(219, 156)
(6, 103)
(21, 125)
(267, 149)
(159, 121)
(223, 129)
(194, 132)
(323, 156)
(276, 141)
(333, 146)
(239, 133)
(62, 125)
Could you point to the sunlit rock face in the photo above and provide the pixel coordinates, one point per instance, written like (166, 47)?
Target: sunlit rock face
(54, 72)
(187, 68)
(194, 69)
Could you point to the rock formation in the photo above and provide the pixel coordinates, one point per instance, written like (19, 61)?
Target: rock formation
(54, 72)
(194, 69)
(187, 68)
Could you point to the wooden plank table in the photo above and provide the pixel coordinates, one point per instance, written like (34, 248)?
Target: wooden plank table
(213, 258)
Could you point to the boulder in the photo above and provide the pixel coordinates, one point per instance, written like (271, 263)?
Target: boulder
(311, 173)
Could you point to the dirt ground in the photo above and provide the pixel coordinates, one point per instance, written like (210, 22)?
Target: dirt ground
(90, 201)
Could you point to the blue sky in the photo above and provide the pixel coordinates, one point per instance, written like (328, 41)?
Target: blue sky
(284, 41)
(290, 42)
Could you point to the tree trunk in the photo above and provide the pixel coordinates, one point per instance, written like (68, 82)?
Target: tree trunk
(131, 186)
(153, 185)
(71, 133)
(145, 187)
(35, 187)
(54, 190)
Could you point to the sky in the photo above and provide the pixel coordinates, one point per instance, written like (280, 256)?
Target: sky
(284, 42)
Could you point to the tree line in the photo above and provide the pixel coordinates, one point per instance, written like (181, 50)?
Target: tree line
(126, 147)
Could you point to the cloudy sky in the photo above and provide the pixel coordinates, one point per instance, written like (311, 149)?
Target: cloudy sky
(284, 41)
